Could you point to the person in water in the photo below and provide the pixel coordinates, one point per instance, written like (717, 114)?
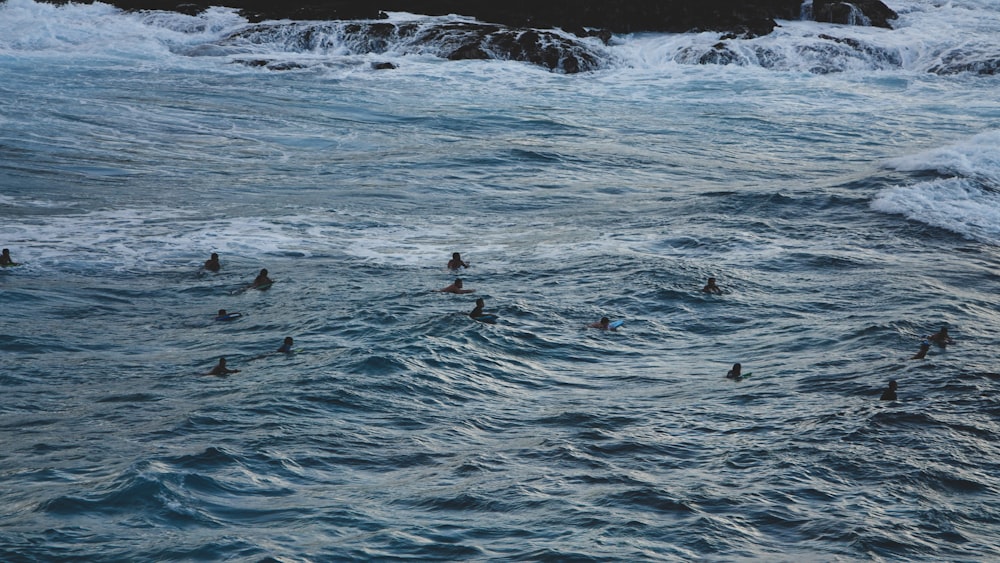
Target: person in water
(261, 279)
(227, 316)
(456, 262)
(735, 373)
(221, 369)
(478, 311)
(212, 264)
(603, 324)
(925, 345)
(889, 394)
(941, 337)
(286, 346)
(5, 259)
(456, 287)
(710, 287)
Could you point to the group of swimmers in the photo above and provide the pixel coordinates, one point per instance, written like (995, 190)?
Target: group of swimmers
(456, 263)
(458, 287)
(941, 338)
(263, 281)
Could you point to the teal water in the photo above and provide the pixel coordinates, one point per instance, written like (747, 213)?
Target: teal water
(845, 215)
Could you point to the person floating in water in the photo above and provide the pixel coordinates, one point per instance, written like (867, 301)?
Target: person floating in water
(456, 287)
(478, 311)
(735, 373)
(5, 259)
(889, 394)
(603, 324)
(479, 315)
(212, 264)
(221, 369)
(456, 262)
(286, 347)
(925, 345)
(941, 337)
(261, 279)
(710, 287)
(225, 316)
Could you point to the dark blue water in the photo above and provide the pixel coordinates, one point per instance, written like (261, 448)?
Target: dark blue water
(845, 215)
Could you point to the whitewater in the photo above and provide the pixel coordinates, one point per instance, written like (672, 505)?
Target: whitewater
(841, 183)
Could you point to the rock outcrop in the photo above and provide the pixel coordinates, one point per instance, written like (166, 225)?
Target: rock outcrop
(736, 17)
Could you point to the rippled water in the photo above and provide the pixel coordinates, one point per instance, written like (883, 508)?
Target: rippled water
(845, 215)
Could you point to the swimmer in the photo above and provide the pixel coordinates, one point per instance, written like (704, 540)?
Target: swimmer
(924, 347)
(5, 259)
(890, 393)
(225, 316)
(221, 369)
(455, 287)
(603, 324)
(261, 279)
(478, 311)
(286, 347)
(735, 373)
(941, 337)
(212, 264)
(456, 262)
(710, 287)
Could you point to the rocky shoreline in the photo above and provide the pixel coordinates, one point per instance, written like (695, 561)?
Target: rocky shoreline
(746, 18)
(556, 34)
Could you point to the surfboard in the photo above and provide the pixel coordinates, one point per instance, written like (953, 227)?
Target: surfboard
(263, 286)
(491, 319)
(229, 317)
(11, 265)
(615, 324)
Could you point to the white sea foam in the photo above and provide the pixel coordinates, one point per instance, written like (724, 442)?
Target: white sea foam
(977, 158)
(965, 199)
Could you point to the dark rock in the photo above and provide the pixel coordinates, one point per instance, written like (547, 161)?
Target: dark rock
(270, 65)
(383, 66)
(740, 17)
(957, 62)
(192, 9)
(451, 40)
(855, 12)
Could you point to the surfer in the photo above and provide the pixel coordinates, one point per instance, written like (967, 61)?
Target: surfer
(212, 264)
(889, 394)
(710, 287)
(456, 262)
(941, 337)
(225, 316)
(603, 324)
(925, 345)
(5, 259)
(261, 279)
(456, 287)
(286, 347)
(735, 373)
(221, 369)
(478, 311)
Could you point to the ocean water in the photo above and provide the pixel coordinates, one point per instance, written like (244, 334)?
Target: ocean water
(841, 183)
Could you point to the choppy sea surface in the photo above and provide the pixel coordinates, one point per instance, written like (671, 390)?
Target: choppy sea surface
(842, 184)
